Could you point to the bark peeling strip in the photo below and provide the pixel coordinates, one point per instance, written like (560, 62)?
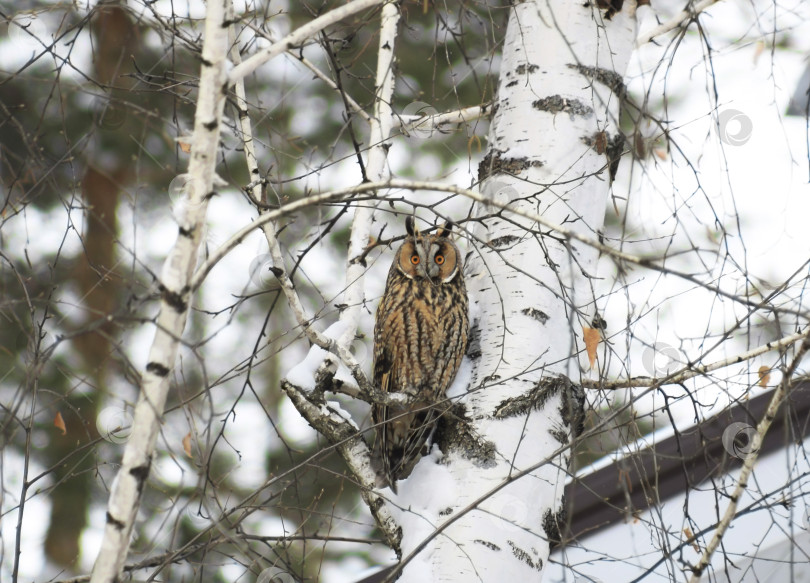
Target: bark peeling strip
(557, 103)
(455, 432)
(610, 79)
(536, 398)
(494, 164)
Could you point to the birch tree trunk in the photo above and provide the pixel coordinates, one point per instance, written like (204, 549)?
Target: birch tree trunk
(128, 486)
(553, 136)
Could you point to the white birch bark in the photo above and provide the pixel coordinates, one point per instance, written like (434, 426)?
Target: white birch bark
(128, 485)
(554, 126)
(379, 134)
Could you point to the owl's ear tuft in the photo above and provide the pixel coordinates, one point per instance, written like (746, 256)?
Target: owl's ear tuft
(410, 228)
(445, 230)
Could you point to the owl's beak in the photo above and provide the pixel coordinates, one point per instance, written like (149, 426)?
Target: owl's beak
(433, 275)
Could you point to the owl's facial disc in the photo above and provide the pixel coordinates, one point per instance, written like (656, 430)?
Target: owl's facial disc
(442, 263)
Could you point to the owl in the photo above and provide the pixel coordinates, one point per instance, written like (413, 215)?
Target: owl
(420, 335)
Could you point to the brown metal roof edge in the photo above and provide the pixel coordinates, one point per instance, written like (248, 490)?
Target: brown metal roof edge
(678, 463)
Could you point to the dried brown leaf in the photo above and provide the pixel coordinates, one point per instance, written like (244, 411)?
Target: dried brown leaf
(187, 444)
(764, 375)
(592, 338)
(59, 423)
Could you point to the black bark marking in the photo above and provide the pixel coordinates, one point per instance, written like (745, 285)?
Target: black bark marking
(140, 473)
(501, 242)
(116, 524)
(536, 314)
(489, 545)
(175, 300)
(614, 152)
(559, 435)
(525, 557)
(526, 68)
(474, 343)
(157, 369)
(553, 524)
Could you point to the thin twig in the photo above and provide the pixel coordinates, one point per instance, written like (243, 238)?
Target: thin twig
(676, 21)
(696, 371)
(779, 395)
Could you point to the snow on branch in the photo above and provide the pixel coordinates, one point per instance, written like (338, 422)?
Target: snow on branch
(176, 293)
(306, 383)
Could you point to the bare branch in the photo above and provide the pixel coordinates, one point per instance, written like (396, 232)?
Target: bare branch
(691, 372)
(175, 299)
(683, 17)
(779, 396)
(380, 131)
(298, 36)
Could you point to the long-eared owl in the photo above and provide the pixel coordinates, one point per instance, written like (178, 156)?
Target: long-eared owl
(420, 336)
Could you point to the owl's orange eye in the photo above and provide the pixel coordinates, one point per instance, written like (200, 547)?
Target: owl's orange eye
(415, 259)
(439, 259)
